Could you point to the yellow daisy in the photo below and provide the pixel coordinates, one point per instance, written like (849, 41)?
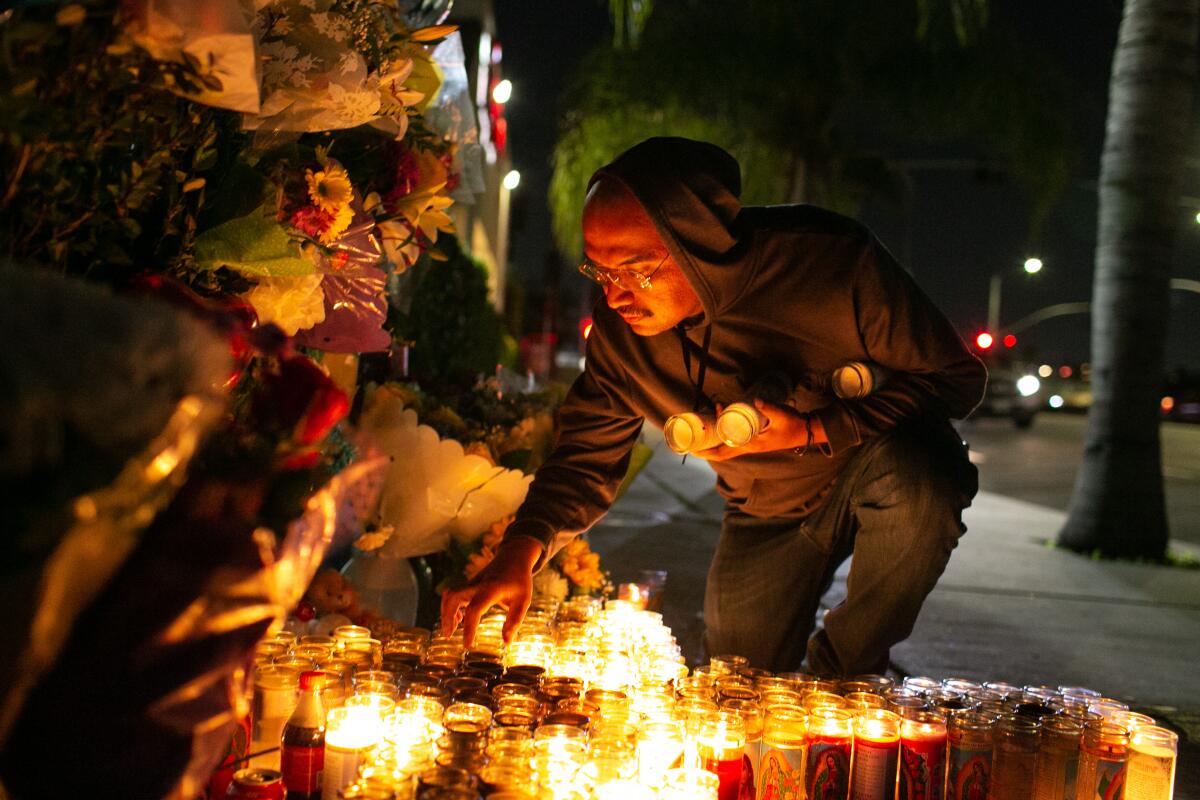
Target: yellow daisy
(330, 188)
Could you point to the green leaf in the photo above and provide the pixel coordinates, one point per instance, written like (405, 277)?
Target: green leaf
(255, 244)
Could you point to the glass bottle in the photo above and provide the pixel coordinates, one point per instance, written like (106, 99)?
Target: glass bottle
(302, 755)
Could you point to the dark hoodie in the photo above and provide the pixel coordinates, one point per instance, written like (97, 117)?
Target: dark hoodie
(791, 289)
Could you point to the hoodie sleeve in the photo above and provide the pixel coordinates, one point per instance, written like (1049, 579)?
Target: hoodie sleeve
(578, 482)
(935, 375)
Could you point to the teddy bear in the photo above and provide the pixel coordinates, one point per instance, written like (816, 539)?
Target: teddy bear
(331, 593)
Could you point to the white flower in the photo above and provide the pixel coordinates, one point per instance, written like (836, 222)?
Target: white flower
(293, 302)
(551, 583)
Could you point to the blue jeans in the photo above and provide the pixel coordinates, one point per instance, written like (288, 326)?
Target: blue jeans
(896, 506)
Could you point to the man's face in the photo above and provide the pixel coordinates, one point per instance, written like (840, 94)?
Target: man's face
(618, 234)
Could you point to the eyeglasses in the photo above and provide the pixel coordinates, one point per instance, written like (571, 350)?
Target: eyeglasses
(622, 278)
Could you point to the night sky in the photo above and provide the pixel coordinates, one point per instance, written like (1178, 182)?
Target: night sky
(960, 229)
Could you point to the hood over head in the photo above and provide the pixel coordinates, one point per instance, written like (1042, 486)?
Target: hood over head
(690, 190)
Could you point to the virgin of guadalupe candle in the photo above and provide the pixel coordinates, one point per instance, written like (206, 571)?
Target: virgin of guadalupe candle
(830, 739)
(969, 762)
(1150, 774)
(781, 770)
(922, 756)
(1103, 753)
(876, 754)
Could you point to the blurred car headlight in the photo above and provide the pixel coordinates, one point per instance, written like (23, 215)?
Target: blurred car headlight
(1028, 385)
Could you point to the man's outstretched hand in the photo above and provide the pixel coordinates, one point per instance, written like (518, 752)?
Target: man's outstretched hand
(507, 581)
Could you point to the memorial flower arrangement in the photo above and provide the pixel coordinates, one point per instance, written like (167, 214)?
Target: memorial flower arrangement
(281, 155)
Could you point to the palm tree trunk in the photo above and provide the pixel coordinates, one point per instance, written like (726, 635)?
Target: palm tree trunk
(1118, 506)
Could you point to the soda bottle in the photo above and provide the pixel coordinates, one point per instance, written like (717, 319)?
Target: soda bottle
(303, 742)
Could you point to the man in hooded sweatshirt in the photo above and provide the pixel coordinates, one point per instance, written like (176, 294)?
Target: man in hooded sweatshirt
(703, 299)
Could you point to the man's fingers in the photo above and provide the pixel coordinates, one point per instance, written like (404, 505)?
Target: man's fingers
(484, 599)
(517, 608)
(452, 602)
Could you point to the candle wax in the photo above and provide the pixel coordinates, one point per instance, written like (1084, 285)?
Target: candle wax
(729, 773)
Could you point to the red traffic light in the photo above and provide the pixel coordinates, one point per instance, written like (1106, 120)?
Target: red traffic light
(1010, 341)
(984, 340)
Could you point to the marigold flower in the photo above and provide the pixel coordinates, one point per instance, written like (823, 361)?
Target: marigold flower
(477, 561)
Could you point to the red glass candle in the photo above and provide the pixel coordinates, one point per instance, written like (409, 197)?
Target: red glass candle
(876, 754)
(721, 749)
(830, 738)
(923, 756)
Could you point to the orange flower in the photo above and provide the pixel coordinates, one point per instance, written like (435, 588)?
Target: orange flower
(477, 561)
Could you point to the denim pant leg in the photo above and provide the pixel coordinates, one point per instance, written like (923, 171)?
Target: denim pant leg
(900, 502)
(764, 585)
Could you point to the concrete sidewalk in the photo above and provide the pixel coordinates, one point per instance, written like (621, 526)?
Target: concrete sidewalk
(1009, 607)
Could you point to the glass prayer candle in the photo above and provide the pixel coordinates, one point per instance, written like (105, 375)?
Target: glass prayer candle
(784, 747)
(876, 754)
(904, 701)
(1103, 754)
(276, 692)
(1014, 762)
(752, 716)
(830, 739)
(689, 784)
(721, 750)
(923, 755)
(1058, 759)
(346, 633)
(351, 732)
(969, 738)
(881, 682)
(727, 664)
(859, 701)
(1131, 720)
(660, 748)
(816, 698)
(1150, 773)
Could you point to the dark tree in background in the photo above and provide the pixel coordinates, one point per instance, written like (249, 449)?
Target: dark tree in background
(794, 88)
(1118, 507)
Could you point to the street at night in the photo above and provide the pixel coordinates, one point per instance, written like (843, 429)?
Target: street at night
(1038, 464)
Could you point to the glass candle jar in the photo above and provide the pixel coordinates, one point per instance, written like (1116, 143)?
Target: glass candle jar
(876, 754)
(830, 741)
(784, 746)
(1014, 761)
(1058, 759)
(1150, 773)
(969, 739)
(923, 755)
(720, 747)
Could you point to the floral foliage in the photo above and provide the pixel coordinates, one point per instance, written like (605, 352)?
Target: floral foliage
(147, 136)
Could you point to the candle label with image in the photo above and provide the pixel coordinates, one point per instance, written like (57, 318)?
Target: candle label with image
(829, 770)
(970, 774)
(1108, 783)
(875, 769)
(782, 774)
(1150, 772)
(922, 769)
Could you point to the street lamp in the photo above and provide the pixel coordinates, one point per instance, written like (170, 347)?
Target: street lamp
(1033, 265)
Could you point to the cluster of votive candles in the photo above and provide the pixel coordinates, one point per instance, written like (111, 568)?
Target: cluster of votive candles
(593, 701)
